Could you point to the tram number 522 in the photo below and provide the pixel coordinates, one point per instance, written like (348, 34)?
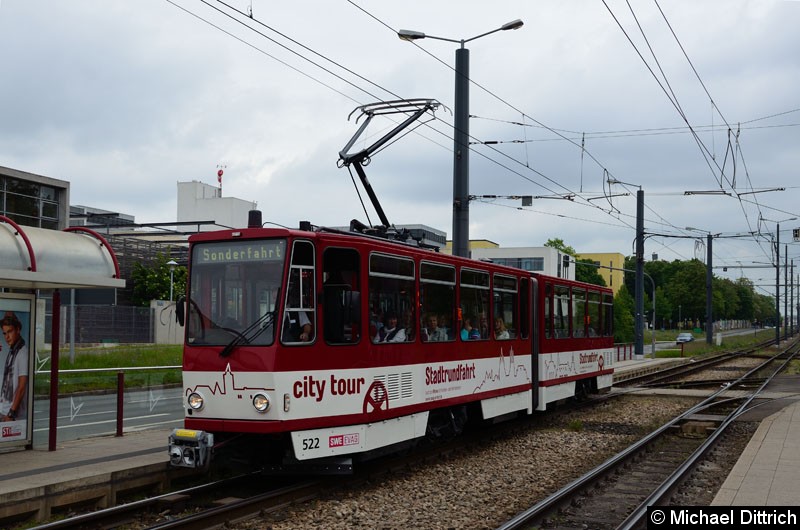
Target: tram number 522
(310, 444)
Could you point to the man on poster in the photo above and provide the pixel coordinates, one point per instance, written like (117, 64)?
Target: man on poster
(14, 389)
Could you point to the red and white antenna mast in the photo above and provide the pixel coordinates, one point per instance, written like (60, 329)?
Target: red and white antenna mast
(219, 177)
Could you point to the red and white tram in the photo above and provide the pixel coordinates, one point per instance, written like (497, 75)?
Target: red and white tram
(290, 355)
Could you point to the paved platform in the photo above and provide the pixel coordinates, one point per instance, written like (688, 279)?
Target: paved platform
(645, 365)
(768, 472)
(37, 483)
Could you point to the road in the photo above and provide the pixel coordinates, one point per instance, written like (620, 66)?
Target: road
(82, 416)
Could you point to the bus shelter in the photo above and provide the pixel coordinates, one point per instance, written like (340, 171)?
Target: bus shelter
(34, 259)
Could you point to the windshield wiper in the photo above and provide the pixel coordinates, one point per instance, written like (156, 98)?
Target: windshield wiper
(249, 333)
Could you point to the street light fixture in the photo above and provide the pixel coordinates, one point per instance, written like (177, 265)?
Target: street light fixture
(172, 264)
(778, 223)
(461, 133)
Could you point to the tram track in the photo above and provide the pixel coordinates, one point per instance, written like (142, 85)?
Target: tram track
(616, 494)
(212, 500)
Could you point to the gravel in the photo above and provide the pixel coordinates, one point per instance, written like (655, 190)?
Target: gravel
(491, 482)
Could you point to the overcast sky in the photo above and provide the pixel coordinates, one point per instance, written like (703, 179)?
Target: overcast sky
(125, 99)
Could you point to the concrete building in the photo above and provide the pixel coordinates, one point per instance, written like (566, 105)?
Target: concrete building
(609, 265)
(96, 218)
(546, 260)
(426, 234)
(198, 201)
(34, 200)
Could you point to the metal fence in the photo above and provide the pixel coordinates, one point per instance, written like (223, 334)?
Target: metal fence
(89, 324)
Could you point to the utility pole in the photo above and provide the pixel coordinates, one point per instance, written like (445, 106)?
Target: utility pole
(638, 346)
(786, 291)
(778, 285)
(791, 302)
(709, 278)
(461, 156)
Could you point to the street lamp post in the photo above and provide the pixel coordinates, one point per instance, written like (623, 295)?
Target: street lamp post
(778, 285)
(172, 264)
(460, 134)
(638, 346)
(786, 292)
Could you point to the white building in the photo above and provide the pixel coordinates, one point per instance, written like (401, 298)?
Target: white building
(546, 260)
(202, 202)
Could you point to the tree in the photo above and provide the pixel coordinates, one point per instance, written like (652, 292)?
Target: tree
(746, 294)
(558, 244)
(663, 309)
(764, 309)
(152, 281)
(623, 316)
(687, 289)
(726, 303)
(586, 271)
(681, 293)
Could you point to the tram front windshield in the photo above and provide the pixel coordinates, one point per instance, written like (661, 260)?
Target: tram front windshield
(234, 290)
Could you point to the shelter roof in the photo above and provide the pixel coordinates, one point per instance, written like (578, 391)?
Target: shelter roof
(36, 258)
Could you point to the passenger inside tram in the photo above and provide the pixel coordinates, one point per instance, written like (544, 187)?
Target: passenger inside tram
(433, 332)
(468, 332)
(390, 332)
(500, 331)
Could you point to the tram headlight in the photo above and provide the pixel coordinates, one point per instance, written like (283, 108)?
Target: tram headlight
(195, 401)
(261, 402)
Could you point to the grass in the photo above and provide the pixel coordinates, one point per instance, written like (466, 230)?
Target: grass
(699, 346)
(575, 425)
(793, 368)
(110, 360)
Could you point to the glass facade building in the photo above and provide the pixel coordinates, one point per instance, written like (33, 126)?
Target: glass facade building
(33, 200)
(527, 264)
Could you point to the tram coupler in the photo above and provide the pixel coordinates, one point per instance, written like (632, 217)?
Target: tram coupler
(190, 448)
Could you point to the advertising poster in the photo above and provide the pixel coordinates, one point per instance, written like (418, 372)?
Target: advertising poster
(16, 362)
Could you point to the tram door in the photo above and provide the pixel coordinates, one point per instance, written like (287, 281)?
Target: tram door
(299, 316)
(341, 303)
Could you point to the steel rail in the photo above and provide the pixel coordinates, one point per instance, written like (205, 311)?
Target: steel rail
(563, 495)
(661, 494)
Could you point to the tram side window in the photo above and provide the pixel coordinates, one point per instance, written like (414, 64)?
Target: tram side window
(578, 312)
(593, 317)
(524, 308)
(548, 311)
(299, 318)
(474, 295)
(437, 300)
(608, 315)
(505, 307)
(391, 298)
(341, 304)
(561, 312)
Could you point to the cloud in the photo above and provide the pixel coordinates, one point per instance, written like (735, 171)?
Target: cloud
(127, 99)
